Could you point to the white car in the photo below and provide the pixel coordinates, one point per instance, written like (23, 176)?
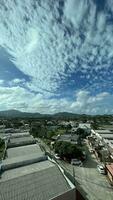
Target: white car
(101, 169)
(57, 156)
(76, 162)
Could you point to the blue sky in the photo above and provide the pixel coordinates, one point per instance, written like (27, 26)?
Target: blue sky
(56, 56)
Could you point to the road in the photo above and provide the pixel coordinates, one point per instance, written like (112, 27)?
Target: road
(91, 181)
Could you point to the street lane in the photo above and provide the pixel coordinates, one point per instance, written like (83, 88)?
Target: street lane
(93, 183)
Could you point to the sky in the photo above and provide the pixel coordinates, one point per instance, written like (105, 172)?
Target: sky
(56, 56)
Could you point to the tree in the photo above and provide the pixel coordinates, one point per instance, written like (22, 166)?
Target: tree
(50, 134)
(67, 150)
(38, 130)
(1, 142)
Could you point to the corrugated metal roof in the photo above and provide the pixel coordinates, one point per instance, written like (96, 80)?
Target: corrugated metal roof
(21, 139)
(103, 131)
(23, 150)
(107, 136)
(40, 185)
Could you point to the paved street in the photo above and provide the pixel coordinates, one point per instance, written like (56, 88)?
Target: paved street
(94, 184)
(91, 181)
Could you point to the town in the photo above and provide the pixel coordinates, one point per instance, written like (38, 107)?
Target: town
(43, 153)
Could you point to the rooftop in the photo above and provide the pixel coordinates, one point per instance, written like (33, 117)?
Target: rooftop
(103, 131)
(21, 141)
(107, 136)
(68, 137)
(16, 135)
(84, 125)
(23, 150)
(23, 155)
(108, 127)
(110, 168)
(43, 180)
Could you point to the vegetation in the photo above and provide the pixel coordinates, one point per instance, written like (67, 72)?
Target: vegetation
(38, 130)
(2, 146)
(67, 150)
(82, 135)
(51, 133)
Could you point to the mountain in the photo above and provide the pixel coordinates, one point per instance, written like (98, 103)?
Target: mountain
(61, 115)
(65, 114)
(19, 114)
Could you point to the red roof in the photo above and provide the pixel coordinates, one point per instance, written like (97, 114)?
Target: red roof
(110, 168)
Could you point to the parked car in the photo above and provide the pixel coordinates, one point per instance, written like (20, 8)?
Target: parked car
(76, 162)
(101, 169)
(57, 156)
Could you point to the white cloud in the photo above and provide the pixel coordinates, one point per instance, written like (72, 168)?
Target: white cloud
(24, 100)
(1, 82)
(16, 81)
(42, 47)
(49, 48)
(76, 10)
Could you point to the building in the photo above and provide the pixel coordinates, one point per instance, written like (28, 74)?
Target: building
(23, 155)
(43, 181)
(28, 174)
(21, 141)
(101, 141)
(86, 127)
(72, 138)
(109, 169)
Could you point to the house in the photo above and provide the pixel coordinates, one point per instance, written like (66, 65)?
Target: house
(85, 126)
(72, 138)
(101, 142)
(109, 169)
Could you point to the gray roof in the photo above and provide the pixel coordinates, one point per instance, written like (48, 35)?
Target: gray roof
(42, 182)
(84, 125)
(103, 131)
(23, 155)
(68, 138)
(23, 134)
(107, 136)
(21, 141)
(23, 150)
(19, 161)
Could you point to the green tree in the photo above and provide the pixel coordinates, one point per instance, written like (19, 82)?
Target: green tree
(67, 150)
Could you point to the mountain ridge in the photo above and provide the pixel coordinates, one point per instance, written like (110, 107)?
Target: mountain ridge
(17, 113)
(13, 113)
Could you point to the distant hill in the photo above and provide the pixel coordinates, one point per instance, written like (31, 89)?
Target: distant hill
(19, 114)
(65, 114)
(61, 115)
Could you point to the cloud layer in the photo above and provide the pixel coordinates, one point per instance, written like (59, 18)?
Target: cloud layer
(19, 98)
(53, 41)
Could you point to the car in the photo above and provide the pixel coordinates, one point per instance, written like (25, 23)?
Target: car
(76, 162)
(57, 156)
(101, 169)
